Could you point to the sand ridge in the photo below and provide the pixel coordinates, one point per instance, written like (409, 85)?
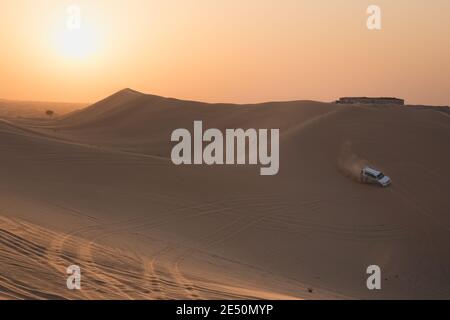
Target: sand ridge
(97, 188)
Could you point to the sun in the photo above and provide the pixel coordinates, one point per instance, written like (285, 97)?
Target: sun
(77, 39)
(76, 43)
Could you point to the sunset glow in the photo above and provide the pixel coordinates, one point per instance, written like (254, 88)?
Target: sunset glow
(79, 44)
(225, 51)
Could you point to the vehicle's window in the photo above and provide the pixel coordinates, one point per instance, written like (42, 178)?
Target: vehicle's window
(370, 175)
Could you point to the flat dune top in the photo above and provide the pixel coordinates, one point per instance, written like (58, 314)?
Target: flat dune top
(96, 188)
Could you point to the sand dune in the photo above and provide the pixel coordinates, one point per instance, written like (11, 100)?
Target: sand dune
(97, 188)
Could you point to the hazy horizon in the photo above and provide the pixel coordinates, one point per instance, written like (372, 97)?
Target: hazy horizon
(87, 103)
(225, 52)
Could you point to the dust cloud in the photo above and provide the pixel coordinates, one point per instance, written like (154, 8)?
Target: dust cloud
(349, 163)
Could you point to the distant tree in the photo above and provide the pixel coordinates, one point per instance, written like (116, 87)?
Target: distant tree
(49, 113)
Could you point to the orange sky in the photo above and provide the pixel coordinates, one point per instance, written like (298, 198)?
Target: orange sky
(226, 50)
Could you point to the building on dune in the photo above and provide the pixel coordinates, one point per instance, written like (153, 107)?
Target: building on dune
(368, 100)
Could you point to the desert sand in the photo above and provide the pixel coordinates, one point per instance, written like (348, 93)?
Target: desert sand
(97, 188)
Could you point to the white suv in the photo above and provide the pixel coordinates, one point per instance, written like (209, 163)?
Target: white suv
(370, 175)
